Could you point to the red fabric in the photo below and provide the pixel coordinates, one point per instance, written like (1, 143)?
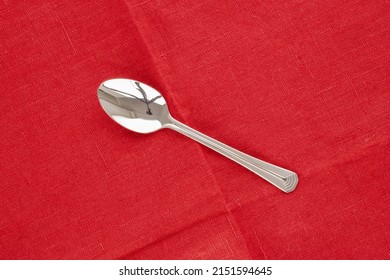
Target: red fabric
(301, 84)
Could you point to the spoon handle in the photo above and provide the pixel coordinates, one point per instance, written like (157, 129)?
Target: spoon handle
(283, 179)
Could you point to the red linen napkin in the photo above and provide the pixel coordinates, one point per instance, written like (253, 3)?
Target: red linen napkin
(301, 84)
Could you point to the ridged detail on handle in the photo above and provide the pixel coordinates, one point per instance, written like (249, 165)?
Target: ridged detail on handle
(290, 182)
(281, 178)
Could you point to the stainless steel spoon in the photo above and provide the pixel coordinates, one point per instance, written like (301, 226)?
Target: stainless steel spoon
(141, 108)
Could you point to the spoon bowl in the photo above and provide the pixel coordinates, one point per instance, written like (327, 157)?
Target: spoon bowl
(134, 105)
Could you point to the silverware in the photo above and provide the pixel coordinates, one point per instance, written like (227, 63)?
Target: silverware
(141, 108)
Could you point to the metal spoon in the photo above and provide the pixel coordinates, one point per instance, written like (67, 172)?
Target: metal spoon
(141, 108)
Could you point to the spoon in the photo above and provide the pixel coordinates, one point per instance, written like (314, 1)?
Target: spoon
(140, 108)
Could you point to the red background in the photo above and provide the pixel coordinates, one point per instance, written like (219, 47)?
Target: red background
(301, 84)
